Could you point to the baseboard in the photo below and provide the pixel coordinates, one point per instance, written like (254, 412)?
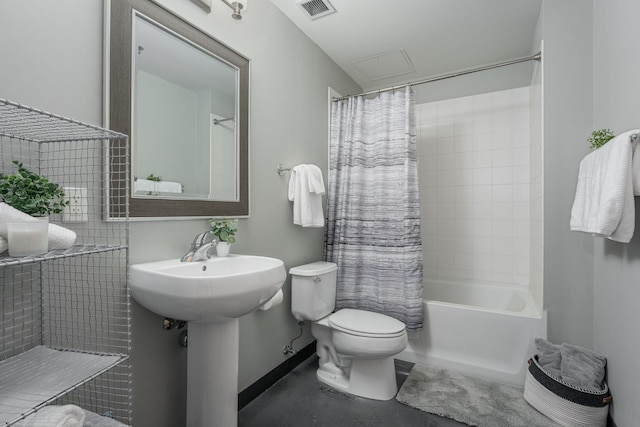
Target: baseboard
(256, 389)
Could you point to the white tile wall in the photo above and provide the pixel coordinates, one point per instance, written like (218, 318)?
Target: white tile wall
(474, 156)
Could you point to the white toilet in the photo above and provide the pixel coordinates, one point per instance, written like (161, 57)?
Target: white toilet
(355, 347)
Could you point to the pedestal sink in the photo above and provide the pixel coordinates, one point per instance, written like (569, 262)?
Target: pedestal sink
(211, 295)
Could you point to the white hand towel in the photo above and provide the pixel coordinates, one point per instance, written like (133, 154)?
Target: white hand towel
(635, 164)
(306, 188)
(55, 416)
(59, 237)
(143, 185)
(604, 203)
(169, 187)
(316, 183)
(3, 244)
(154, 186)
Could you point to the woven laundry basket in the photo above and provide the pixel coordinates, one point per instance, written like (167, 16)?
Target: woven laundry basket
(563, 403)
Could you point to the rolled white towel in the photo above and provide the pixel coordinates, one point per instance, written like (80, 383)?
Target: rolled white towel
(94, 420)
(10, 214)
(55, 416)
(3, 244)
(59, 237)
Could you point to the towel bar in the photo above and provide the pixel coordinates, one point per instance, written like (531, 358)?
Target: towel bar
(281, 169)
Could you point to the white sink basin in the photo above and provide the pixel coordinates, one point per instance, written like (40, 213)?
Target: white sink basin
(215, 290)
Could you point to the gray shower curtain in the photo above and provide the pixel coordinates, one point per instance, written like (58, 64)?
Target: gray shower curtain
(373, 212)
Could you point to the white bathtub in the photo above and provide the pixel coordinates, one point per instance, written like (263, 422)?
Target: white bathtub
(479, 329)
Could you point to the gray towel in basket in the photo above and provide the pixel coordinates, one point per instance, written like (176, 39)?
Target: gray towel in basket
(582, 367)
(577, 366)
(549, 356)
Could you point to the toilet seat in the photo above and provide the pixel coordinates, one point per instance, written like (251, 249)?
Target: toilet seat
(366, 324)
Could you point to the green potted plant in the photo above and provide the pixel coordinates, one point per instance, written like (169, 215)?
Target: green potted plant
(225, 231)
(600, 137)
(33, 195)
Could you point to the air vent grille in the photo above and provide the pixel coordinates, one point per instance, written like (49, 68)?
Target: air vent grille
(315, 9)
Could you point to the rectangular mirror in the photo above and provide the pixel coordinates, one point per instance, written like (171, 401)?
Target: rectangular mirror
(182, 97)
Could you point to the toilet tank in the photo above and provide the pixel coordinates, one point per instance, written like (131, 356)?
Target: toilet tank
(313, 290)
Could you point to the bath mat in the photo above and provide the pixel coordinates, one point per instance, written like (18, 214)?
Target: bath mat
(466, 399)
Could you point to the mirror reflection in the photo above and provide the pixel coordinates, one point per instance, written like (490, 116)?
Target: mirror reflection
(183, 118)
(183, 99)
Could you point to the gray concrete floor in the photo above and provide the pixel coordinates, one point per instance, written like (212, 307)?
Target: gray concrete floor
(300, 400)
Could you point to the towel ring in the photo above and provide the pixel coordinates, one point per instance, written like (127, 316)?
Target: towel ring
(281, 169)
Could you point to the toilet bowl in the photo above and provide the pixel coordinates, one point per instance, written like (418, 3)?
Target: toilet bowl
(355, 347)
(359, 362)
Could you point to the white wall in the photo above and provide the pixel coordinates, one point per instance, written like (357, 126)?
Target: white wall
(617, 266)
(167, 117)
(568, 103)
(474, 187)
(493, 80)
(52, 59)
(53, 64)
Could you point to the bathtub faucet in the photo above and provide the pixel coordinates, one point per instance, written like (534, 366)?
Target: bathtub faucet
(200, 247)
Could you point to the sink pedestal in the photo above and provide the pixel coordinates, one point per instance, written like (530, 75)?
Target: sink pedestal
(211, 295)
(212, 374)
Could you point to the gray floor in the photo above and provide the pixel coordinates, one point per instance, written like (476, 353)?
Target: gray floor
(300, 400)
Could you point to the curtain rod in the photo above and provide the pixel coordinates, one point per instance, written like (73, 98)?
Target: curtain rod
(536, 57)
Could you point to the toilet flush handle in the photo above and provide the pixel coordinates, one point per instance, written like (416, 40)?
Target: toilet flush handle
(317, 279)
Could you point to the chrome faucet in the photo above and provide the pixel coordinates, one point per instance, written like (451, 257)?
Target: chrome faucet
(200, 248)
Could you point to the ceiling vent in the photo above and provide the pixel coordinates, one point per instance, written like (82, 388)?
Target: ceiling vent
(315, 9)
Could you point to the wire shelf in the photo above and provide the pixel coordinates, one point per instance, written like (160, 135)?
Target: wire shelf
(30, 124)
(39, 376)
(65, 314)
(76, 250)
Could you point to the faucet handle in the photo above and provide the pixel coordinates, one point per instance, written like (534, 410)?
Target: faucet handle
(200, 247)
(201, 238)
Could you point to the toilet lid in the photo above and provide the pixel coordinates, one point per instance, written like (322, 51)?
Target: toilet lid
(366, 323)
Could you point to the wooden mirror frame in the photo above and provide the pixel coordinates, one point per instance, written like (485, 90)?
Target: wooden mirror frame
(119, 112)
